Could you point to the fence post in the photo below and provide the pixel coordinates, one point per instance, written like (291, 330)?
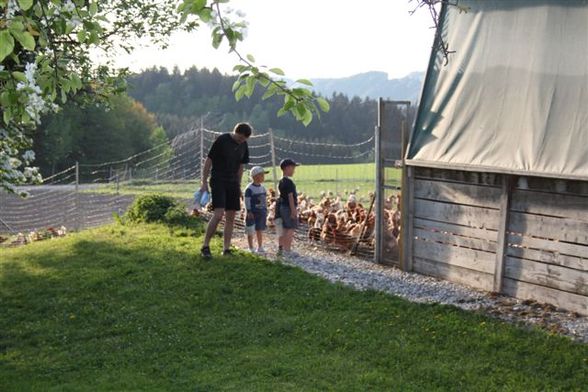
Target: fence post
(77, 198)
(378, 251)
(201, 146)
(273, 151)
(501, 242)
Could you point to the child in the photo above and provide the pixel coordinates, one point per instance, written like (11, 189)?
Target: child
(286, 208)
(255, 204)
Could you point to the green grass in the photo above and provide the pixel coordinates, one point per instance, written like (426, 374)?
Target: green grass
(134, 308)
(310, 179)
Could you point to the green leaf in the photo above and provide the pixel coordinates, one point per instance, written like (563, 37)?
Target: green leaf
(16, 26)
(19, 76)
(236, 85)
(93, 8)
(268, 93)
(307, 118)
(26, 39)
(251, 58)
(82, 36)
(25, 4)
(277, 71)
(304, 81)
(240, 92)
(197, 6)
(323, 104)
(216, 40)
(205, 15)
(281, 112)
(250, 85)
(301, 110)
(6, 44)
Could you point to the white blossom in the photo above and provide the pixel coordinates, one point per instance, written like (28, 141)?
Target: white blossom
(68, 6)
(11, 9)
(29, 156)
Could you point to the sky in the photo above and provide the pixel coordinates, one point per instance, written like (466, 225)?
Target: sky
(309, 39)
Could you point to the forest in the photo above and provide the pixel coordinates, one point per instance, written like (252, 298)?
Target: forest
(162, 104)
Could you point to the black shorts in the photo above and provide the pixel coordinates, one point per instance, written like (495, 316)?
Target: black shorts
(225, 195)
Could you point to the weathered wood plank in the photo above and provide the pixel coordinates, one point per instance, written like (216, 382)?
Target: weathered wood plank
(507, 182)
(551, 185)
(453, 273)
(453, 239)
(458, 176)
(457, 214)
(469, 194)
(580, 251)
(465, 231)
(548, 275)
(549, 257)
(562, 229)
(476, 260)
(561, 205)
(573, 302)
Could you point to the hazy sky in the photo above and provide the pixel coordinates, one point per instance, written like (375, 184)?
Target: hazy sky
(310, 38)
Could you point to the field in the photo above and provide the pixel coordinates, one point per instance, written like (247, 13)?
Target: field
(311, 180)
(135, 308)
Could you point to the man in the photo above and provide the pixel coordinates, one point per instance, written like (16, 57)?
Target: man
(226, 158)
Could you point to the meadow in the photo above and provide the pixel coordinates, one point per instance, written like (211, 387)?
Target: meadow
(133, 307)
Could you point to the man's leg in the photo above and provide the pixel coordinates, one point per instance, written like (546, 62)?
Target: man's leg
(259, 234)
(212, 225)
(229, 223)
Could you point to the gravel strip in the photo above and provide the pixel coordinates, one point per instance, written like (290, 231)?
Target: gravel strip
(362, 275)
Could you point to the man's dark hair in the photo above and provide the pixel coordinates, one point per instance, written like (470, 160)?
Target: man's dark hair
(243, 129)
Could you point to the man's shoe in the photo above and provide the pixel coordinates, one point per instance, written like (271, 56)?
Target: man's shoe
(260, 250)
(205, 252)
(227, 252)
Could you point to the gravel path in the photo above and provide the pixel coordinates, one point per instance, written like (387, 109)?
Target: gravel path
(362, 274)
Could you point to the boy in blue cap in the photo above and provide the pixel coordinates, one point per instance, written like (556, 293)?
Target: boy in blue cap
(286, 208)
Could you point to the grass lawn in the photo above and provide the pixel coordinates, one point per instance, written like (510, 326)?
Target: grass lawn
(310, 179)
(134, 308)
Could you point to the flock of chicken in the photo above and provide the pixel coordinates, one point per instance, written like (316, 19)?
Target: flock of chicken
(343, 224)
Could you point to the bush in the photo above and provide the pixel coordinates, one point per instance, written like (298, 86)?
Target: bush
(176, 215)
(151, 208)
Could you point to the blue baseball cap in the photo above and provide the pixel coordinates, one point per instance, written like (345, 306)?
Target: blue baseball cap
(288, 162)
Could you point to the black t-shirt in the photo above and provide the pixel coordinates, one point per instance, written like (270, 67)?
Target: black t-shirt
(287, 186)
(227, 156)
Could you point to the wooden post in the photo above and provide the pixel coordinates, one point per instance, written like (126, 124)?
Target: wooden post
(273, 152)
(507, 182)
(407, 199)
(77, 198)
(379, 234)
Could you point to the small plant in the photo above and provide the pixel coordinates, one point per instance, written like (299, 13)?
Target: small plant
(150, 208)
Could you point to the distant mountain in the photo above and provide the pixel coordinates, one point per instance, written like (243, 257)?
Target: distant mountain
(373, 84)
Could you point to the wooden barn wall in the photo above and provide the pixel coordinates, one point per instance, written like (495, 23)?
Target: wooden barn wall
(543, 255)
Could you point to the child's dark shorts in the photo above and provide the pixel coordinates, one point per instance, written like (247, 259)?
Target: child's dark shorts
(258, 223)
(287, 221)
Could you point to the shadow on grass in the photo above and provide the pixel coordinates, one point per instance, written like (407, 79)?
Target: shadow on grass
(135, 307)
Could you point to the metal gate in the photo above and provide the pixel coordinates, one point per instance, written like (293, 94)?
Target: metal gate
(391, 143)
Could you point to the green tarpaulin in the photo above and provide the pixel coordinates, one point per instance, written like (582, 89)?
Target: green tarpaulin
(514, 96)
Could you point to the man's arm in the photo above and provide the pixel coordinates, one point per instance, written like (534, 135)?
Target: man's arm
(240, 173)
(205, 174)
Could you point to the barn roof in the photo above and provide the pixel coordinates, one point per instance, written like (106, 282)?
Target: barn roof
(514, 96)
